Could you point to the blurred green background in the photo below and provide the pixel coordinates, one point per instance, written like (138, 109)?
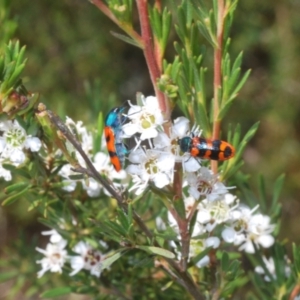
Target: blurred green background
(80, 68)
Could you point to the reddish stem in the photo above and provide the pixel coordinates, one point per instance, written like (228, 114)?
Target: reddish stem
(218, 76)
(149, 53)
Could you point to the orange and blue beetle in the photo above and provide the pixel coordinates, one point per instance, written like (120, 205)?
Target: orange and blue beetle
(206, 148)
(113, 132)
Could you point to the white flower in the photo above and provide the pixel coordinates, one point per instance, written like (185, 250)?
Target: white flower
(169, 143)
(55, 257)
(213, 242)
(85, 137)
(259, 229)
(270, 266)
(92, 187)
(198, 246)
(215, 212)
(150, 165)
(190, 163)
(204, 182)
(13, 140)
(180, 127)
(247, 228)
(88, 259)
(203, 262)
(146, 119)
(5, 174)
(65, 172)
(33, 143)
(102, 164)
(55, 237)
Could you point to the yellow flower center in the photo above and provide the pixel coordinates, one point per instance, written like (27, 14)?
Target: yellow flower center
(15, 137)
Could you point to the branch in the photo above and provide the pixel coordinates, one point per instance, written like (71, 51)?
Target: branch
(218, 76)
(149, 53)
(124, 26)
(56, 120)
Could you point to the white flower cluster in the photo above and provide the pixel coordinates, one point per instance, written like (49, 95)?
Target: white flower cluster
(13, 145)
(220, 216)
(56, 255)
(224, 218)
(218, 210)
(100, 160)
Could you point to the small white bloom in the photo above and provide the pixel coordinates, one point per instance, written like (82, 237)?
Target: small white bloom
(196, 247)
(88, 259)
(270, 266)
(203, 262)
(181, 127)
(150, 165)
(229, 235)
(13, 140)
(160, 224)
(5, 174)
(248, 228)
(81, 132)
(92, 187)
(55, 237)
(213, 242)
(33, 143)
(69, 184)
(55, 257)
(146, 119)
(215, 212)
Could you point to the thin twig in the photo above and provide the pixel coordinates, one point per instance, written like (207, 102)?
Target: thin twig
(56, 120)
(93, 172)
(124, 26)
(149, 53)
(166, 268)
(218, 77)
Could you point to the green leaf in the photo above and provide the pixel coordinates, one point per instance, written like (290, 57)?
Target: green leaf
(225, 262)
(56, 292)
(98, 139)
(122, 218)
(200, 255)
(126, 39)
(166, 27)
(242, 82)
(158, 251)
(15, 197)
(111, 258)
(224, 109)
(20, 57)
(262, 192)
(16, 75)
(15, 187)
(113, 227)
(277, 190)
(241, 145)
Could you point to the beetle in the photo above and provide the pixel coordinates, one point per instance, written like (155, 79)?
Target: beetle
(206, 148)
(113, 131)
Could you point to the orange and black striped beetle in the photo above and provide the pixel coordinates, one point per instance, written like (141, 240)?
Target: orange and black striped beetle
(206, 148)
(113, 131)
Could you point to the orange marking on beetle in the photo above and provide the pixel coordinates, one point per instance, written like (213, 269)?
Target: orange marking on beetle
(110, 144)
